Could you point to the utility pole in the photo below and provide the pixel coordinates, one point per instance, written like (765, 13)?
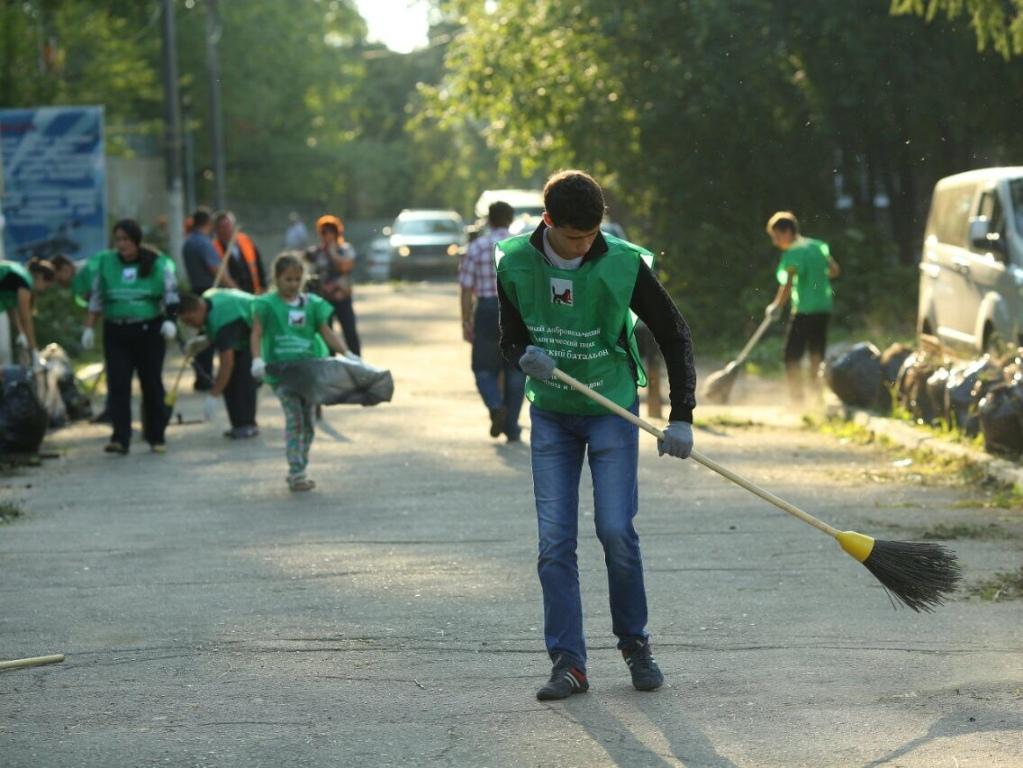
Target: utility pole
(213, 30)
(172, 140)
(189, 137)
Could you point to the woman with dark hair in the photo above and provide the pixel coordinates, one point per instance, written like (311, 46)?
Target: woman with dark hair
(135, 289)
(18, 283)
(332, 262)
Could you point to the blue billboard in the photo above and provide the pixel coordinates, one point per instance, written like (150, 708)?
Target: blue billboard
(54, 198)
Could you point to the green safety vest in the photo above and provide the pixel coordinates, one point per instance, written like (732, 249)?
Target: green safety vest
(578, 318)
(9, 299)
(126, 294)
(227, 305)
(81, 285)
(291, 333)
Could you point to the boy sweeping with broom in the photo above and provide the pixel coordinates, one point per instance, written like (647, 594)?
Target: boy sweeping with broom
(288, 324)
(566, 292)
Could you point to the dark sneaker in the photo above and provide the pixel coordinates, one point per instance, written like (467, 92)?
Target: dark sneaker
(498, 418)
(115, 447)
(646, 676)
(565, 680)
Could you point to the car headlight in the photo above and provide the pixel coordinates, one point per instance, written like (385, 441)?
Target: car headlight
(453, 249)
(404, 251)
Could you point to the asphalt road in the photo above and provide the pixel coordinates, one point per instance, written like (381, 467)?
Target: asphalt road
(392, 616)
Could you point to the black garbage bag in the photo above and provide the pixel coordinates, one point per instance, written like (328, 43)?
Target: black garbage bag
(855, 375)
(1001, 419)
(334, 381)
(937, 384)
(911, 385)
(961, 402)
(23, 419)
(891, 361)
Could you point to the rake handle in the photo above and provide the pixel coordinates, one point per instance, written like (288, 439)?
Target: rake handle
(698, 457)
(757, 334)
(35, 661)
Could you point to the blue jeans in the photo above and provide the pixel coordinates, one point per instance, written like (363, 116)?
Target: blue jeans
(559, 442)
(488, 365)
(489, 385)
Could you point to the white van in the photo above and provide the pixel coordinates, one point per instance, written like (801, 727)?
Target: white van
(971, 274)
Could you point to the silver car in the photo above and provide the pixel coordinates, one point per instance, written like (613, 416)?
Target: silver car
(426, 242)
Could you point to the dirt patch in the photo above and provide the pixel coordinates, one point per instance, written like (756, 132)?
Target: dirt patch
(1000, 587)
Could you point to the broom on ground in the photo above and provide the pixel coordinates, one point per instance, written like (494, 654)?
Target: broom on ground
(919, 574)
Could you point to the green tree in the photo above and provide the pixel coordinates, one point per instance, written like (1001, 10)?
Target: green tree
(996, 23)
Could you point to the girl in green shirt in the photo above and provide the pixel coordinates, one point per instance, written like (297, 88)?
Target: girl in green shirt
(288, 324)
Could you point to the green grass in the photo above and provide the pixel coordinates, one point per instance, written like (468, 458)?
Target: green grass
(925, 463)
(1001, 586)
(9, 512)
(724, 421)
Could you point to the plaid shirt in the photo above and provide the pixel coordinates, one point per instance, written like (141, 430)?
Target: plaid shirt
(477, 270)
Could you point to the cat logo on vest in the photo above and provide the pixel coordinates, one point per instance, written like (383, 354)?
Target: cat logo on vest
(561, 292)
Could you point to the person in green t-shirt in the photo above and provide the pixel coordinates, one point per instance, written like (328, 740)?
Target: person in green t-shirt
(18, 285)
(804, 274)
(224, 315)
(135, 291)
(289, 324)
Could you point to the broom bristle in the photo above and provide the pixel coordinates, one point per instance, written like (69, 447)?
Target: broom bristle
(919, 574)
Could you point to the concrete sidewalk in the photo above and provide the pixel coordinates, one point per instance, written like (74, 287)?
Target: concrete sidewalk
(392, 617)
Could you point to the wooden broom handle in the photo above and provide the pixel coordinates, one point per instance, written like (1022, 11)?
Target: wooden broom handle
(35, 661)
(710, 464)
(227, 257)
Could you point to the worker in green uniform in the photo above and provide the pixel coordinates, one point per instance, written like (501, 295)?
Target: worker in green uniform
(291, 324)
(224, 315)
(18, 285)
(805, 271)
(567, 292)
(135, 291)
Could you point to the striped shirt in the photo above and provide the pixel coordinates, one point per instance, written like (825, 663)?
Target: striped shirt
(477, 270)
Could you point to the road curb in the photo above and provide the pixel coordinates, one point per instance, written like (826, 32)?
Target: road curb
(909, 436)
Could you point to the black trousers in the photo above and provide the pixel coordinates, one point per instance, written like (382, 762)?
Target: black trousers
(241, 392)
(345, 314)
(131, 348)
(202, 364)
(806, 333)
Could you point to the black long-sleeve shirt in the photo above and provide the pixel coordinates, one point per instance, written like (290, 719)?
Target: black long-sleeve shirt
(652, 305)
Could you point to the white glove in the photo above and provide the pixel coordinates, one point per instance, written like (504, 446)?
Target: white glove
(88, 338)
(210, 406)
(37, 363)
(22, 340)
(169, 329)
(258, 369)
(678, 440)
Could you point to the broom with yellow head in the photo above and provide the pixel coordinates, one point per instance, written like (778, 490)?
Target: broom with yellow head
(919, 574)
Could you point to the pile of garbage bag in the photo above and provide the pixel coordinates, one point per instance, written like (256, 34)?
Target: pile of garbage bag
(23, 419)
(334, 380)
(980, 397)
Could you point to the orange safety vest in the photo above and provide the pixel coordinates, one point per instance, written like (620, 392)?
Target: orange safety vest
(248, 255)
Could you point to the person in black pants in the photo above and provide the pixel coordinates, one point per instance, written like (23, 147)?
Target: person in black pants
(225, 317)
(135, 290)
(202, 263)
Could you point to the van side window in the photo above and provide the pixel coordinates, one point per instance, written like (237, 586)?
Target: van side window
(950, 215)
(991, 209)
(1016, 193)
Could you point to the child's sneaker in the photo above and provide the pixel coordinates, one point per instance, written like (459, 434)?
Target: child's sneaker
(300, 483)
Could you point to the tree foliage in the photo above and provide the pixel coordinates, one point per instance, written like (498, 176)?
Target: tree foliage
(703, 118)
(996, 23)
